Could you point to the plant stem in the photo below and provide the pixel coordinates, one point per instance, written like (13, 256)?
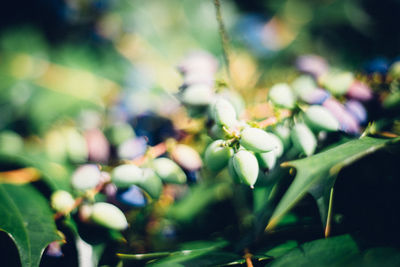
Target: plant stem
(329, 217)
(248, 256)
(223, 34)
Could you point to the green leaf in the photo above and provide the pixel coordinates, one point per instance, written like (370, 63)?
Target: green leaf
(281, 249)
(55, 175)
(26, 217)
(335, 251)
(338, 251)
(196, 253)
(198, 258)
(200, 197)
(323, 167)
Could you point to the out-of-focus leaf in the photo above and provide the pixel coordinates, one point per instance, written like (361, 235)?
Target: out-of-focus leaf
(281, 249)
(55, 175)
(147, 256)
(19, 176)
(47, 106)
(324, 167)
(201, 196)
(199, 253)
(324, 252)
(338, 251)
(199, 258)
(26, 217)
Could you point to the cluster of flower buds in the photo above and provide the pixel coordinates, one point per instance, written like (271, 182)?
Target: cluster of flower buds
(322, 99)
(237, 145)
(336, 90)
(124, 187)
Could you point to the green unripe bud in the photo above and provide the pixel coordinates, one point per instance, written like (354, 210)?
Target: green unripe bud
(303, 85)
(279, 149)
(282, 96)
(234, 98)
(246, 167)
(319, 118)
(109, 216)
(169, 171)
(11, 142)
(119, 133)
(126, 175)
(187, 157)
(266, 160)
(303, 139)
(257, 140)
(55, 145)
(62, 201)
(76, 145)
(232, 172)
(283, 132)
(216, 132)
(152, 184)
(392, 100)
(224, 113)
(217, 155)
(86, 177)
(197, 95)
(394, 70)
(338, 83)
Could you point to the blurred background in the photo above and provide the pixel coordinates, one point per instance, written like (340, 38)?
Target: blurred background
(56, 54)
(77, 74)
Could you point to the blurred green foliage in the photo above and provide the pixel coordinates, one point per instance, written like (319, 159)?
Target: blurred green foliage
(114, 67)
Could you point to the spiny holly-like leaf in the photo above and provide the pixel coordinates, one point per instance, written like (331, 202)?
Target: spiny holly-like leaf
(323, 167)
(26, 217)
(338, 251)
(323, 252)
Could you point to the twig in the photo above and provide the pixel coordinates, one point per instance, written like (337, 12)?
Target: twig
(329, 217)
(268, 122)
(153, 152)
(247, 256)
(223, 34)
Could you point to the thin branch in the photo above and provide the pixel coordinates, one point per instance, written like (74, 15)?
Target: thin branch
(329, 217)
(247, 256)
(223, 33)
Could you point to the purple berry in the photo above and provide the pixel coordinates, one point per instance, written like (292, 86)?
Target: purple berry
(312, 64)
(347, 122)
(54, 249)
(357, 110)
(316, 96)
(359, 91)
(98, 146)
(132, 148)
